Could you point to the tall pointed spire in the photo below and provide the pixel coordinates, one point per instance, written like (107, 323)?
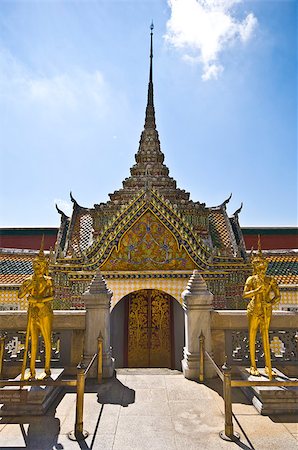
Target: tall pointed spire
(150, 170)
(149, 153)
(150, 113)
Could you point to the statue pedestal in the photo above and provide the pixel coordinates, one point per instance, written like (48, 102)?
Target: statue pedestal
(270, 399)
(30, 400)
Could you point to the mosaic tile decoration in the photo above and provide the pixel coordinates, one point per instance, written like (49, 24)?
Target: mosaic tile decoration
(122, 287)
(148, 245)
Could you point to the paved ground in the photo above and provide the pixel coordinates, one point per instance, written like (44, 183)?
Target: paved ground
(150, 409)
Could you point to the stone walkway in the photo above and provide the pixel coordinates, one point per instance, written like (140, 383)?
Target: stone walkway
(150, 409)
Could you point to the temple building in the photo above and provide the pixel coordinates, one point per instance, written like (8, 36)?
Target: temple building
(150, 234)
(146, 241)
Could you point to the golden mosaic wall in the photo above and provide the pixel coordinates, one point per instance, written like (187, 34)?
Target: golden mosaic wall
(289, 296)
(9, 300)
(122, 287)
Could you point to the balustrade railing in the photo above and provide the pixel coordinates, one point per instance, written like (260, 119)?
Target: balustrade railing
(78, 434)
(283, 345)
(12, 348)
(228, 383)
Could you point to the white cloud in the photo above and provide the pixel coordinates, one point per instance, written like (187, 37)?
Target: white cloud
(212, 71)
(204, 28)
(62, 91)
(247, 27)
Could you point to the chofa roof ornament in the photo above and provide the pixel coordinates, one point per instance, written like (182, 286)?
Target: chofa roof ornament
(224, 204)
(238, 211)
(61, 212)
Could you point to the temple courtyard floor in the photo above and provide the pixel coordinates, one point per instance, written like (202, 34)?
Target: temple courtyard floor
(150, 409)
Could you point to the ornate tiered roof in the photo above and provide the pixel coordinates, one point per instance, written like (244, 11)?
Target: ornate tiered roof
(284, 267)
(151, 224)
(211, 226)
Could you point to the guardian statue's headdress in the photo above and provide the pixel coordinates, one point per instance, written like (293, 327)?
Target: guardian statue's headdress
(41, 258)
(258, 257)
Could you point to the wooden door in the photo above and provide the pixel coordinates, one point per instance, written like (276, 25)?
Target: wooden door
(149, 329)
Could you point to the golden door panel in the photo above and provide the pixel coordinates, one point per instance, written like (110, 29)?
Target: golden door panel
(138, 343)
(160, 348)
(149, 329)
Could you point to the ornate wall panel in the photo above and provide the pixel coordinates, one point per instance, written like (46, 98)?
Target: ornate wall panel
(148, 245)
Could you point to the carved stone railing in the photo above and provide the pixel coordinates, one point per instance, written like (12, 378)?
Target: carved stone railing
(230, 337)
(67, 340)
(283, 345)
(15, 347)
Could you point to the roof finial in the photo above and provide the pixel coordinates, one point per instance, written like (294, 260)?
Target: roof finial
(224, 204)
(150, 114)
(151, 54)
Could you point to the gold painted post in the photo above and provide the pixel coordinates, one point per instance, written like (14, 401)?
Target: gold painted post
(99, 358)
(228, 434)
(2, 347)
(80, 400)
(79, 434)
(202, 354)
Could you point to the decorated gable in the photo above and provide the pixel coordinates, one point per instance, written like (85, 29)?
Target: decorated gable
(148, 245)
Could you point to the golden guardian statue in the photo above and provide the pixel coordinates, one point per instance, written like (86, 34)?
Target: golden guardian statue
(264, 293)
(39, 289)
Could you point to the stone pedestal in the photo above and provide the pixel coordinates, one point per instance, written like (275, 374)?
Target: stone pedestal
(197, 304)
(97, 302)
(30, 400)
(270, 400)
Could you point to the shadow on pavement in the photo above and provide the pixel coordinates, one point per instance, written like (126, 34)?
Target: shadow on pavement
(114, 392)
(42, 432)
(237, 397)
(285, 418)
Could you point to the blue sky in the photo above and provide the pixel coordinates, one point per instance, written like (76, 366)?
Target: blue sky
(73, 85)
